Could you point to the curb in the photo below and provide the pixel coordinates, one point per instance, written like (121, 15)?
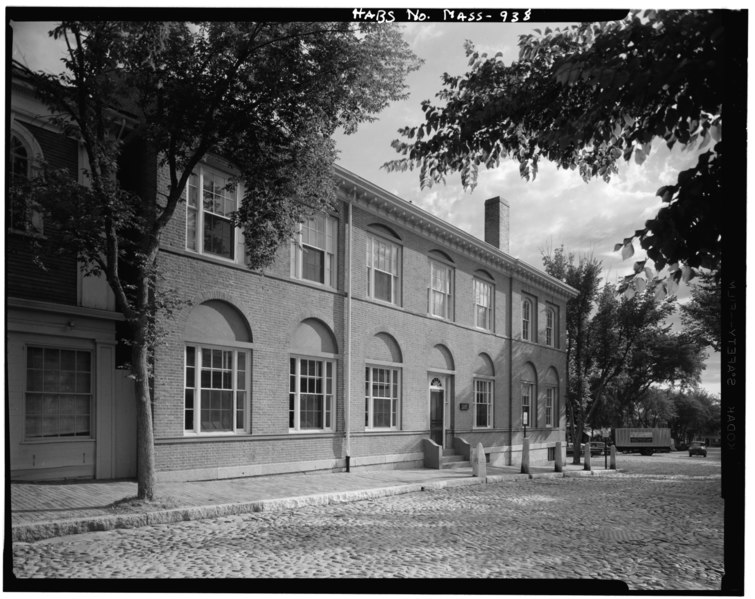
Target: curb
(38, 531)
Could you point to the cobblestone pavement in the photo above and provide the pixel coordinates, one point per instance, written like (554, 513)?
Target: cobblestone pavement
(657, 527)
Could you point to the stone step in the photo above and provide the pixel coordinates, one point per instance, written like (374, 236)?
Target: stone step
(455, 464)
(453, 458)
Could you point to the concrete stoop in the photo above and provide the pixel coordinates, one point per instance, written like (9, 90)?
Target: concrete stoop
(453, 461)
(38, 531)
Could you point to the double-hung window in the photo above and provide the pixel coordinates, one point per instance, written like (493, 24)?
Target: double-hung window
(550, 401)
(527, 320)
(483, 305)
(483, 404)
(22, 214)
(383, 270)
(528, 390)
(310, 397)
(313, 250)
(58, 393)
(211, 200)
(441, 290)
(550, 327)
(381, 391)
(216, 389)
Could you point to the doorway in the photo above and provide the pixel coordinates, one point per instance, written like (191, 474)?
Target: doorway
(437, 408)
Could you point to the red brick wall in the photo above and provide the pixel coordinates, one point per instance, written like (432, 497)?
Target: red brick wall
(274, 305)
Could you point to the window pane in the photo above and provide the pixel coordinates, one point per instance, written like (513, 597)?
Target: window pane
(313, 264)
(383, 284)
(218, 236)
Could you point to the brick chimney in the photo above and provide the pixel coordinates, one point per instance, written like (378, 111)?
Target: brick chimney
(497, 223)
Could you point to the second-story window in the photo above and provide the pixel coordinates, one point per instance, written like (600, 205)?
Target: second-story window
(441, 290)
(211, 200)
(313, 251)
(383, 270)
(550, 324)
(21, 214)
(526, 320)
(483, 305)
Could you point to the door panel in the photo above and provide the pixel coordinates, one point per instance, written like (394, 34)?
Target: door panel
(436, 416)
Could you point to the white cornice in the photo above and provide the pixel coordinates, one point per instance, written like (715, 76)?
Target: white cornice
(384, 204)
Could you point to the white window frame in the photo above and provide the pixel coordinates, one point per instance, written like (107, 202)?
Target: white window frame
(527, 312)
(550, 327)
(329, 393)
(390, 265)
(528, 402)
(447, 294)
(34, 223)
(479, 289)
(487, 391)
(59, 394)
(395, 398)
(550, 402)
(195, 206)
(328, 245)
(241, 397)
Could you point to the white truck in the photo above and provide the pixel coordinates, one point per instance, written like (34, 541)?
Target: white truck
(642, 440)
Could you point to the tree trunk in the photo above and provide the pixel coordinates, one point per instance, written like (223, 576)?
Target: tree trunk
(145, 441)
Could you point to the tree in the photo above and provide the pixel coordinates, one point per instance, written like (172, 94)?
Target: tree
(263, 97)
(697, 413)
(586, 97)
(662, 358)
(701, 317)
(584, 276)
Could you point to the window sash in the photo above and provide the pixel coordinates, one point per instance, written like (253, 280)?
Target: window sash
(527, 398)
(209, 209)
(383, 258)
(216, 387)
(483, 403)
(440, 296)
(313, 250)
(526, 319)
(22, 214)
(381, 397)
(550, 319)
(483, 294)
(59, 393)
(311, 391)
(550, 394)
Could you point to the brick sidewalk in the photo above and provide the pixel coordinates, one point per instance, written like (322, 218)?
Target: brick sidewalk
(46, 509)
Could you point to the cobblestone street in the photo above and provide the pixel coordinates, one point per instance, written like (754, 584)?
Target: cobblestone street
(657, 526)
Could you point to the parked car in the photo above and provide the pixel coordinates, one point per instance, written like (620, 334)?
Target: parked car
(697, 448)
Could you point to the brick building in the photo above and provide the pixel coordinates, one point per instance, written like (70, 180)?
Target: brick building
(380, 334)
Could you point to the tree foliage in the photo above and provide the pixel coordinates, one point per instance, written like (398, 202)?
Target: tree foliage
(263, 98)
(587, 97)
(618, 347)
(701, 317)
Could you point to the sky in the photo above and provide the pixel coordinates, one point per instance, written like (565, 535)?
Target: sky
(557, 208)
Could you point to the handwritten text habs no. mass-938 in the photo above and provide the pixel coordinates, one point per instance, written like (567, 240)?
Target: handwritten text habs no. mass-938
(466, 16)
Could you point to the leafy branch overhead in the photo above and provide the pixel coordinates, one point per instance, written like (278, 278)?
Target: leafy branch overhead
(587, 97)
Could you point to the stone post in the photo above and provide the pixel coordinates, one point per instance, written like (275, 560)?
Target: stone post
(588, 466)
(559, 467)
(612, 462)
(525, 456)
(479, 466)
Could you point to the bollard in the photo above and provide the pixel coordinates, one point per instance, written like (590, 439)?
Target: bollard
(587, 457)
(479, 466)
(525, 456)
(559, 467)
(613, 457)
